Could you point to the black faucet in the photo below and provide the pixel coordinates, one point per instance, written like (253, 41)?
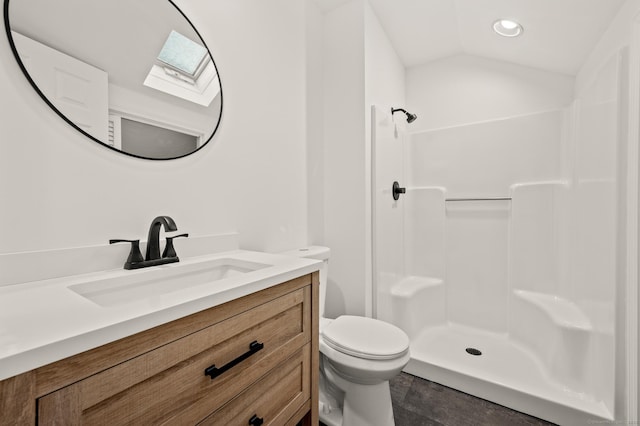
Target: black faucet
(135, 259)
(153, 240)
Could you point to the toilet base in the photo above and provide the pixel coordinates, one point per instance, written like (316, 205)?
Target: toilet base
(329, 399)
(368, 405)
(330, 417)
(362, 405)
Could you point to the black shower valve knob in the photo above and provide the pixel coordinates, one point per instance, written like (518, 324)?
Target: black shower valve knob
(396, 190)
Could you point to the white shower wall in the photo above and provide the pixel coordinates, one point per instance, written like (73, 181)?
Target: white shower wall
(595, 201)
(482, 160)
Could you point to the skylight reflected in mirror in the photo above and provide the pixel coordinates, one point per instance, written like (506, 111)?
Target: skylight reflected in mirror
(184, 69)
(183, 54)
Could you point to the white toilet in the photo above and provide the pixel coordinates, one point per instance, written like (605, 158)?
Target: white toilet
(358, 357)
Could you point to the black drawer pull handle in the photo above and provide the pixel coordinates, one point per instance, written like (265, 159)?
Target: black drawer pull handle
(255, 420)
(214, 372)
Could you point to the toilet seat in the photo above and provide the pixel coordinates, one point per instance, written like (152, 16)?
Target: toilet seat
(365, 338)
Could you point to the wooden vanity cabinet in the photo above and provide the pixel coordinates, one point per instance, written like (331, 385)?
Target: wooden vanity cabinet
(260, 351)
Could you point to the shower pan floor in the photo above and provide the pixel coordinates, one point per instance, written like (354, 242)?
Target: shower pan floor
(505, 373)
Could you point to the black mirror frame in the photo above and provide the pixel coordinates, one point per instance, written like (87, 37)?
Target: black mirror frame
(7, 27)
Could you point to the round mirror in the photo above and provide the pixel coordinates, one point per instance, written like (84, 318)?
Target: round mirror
(134, 76)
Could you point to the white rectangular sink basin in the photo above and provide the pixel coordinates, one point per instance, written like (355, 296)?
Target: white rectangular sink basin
(161, 280)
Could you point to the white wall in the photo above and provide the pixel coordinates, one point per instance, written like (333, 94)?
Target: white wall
(344, 166)
(384, 88)
(388, 141)
(60, 190)
(464, 89)
(384, 72)
(361, 68)
(315, 123)
(617, 35)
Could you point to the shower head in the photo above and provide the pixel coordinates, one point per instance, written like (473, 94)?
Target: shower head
(410, 117)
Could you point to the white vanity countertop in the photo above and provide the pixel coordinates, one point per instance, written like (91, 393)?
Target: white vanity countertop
(45, 321)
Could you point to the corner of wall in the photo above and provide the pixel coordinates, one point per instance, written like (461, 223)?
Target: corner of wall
(617, 35)
(344, 164)
(315, 123)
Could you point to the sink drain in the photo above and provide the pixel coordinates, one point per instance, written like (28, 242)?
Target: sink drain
(473, 351)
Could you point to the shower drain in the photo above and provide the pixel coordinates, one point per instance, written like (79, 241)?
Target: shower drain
(473, 351)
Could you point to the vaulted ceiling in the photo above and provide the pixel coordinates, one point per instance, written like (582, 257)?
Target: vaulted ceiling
(558, 34)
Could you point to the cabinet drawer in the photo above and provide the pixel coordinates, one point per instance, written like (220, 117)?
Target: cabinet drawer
(274, 398)
(169, 385)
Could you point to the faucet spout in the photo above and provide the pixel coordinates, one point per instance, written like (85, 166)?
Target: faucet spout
(153, 241)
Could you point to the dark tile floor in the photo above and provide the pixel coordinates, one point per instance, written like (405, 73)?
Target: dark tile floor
(419, 402)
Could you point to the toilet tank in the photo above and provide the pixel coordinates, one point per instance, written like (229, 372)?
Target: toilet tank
(317, 253)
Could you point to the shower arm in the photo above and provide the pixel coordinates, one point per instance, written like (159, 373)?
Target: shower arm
(410, 117)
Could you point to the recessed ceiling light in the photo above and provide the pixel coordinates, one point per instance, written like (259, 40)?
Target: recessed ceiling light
(507, 28)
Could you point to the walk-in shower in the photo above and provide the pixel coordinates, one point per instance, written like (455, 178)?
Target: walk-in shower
(500, 259)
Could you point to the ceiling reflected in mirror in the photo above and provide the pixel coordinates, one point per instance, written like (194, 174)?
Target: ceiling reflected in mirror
(133, 76)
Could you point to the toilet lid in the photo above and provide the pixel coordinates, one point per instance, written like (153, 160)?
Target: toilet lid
(365, 338)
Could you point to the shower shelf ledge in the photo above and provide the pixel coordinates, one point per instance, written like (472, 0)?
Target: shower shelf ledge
(408, 287)
(561, 311)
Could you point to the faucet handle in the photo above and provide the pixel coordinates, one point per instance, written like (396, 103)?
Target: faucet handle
(169, 250)
(135, 256)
